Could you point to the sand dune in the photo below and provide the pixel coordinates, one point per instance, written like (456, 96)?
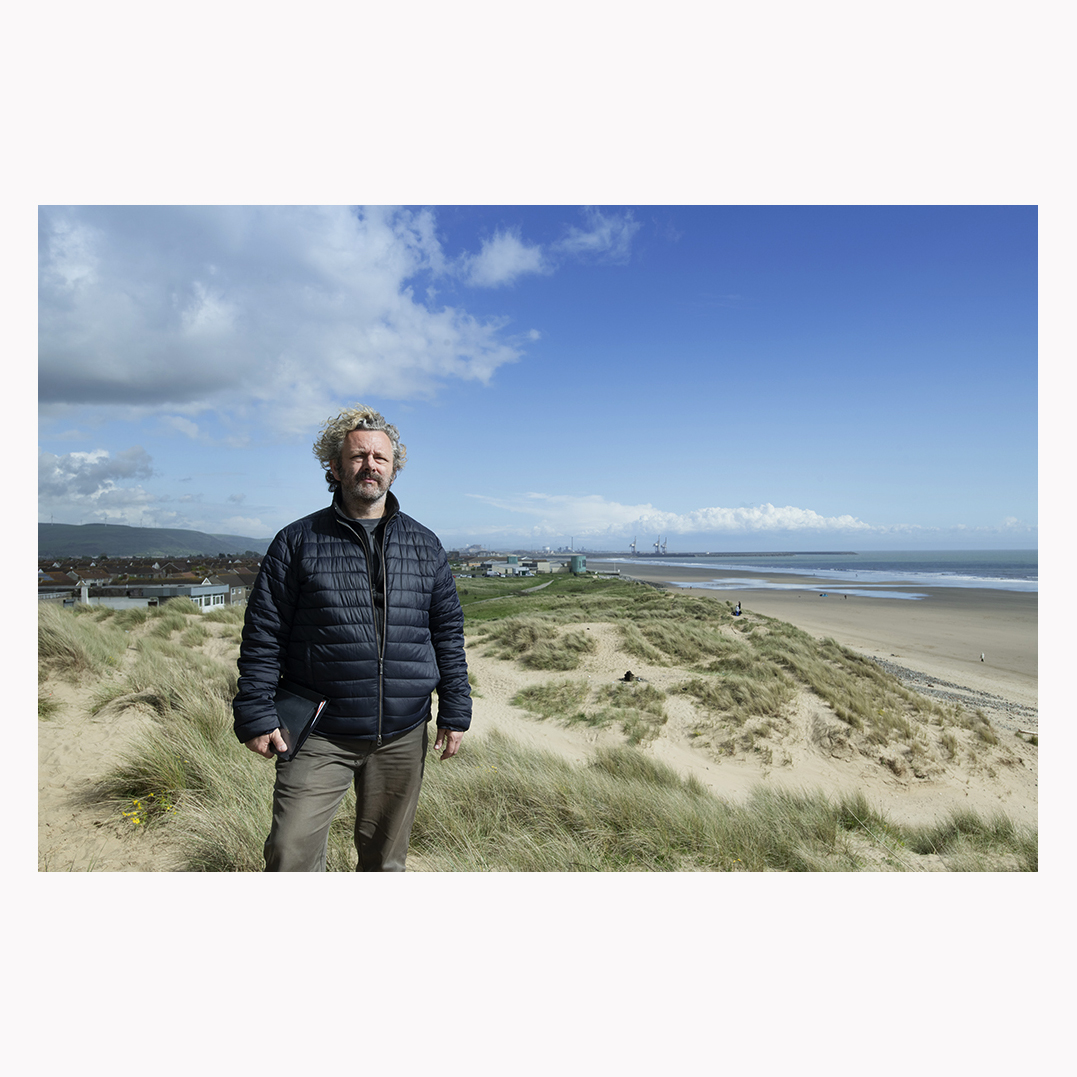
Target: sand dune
(1003, 779)
(942, 641)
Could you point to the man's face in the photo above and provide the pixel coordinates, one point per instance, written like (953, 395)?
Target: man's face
(365, 468)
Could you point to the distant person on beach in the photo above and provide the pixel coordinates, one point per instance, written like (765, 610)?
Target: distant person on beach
(736, 610)
(355, 602)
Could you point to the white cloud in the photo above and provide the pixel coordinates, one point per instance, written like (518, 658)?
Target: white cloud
(607, 236)
(593, 518)
(87, 474)
(283, 309)
(505, 257)
(183, 426)
(502, 259)
(90, 484)
(273, 315)
(249, 526)
(755, 518)
(1013, 524)
(593, 515)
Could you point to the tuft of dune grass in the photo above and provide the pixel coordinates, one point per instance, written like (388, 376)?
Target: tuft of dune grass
(536, 643)
(554, 699)
(635, 707)
(71, 645)
(971, 843)
(562, 652)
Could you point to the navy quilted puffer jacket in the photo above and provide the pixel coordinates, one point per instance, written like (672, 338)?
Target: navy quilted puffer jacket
(311, 619)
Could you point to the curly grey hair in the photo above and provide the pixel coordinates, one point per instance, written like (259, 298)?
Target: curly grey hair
(330, 443)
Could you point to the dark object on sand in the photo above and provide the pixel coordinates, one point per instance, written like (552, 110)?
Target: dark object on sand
(628, 676)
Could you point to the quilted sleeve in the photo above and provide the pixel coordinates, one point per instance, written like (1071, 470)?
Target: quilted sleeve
(266, 628)
(447, 635)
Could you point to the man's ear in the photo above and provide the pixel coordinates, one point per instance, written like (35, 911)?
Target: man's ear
(335, 469)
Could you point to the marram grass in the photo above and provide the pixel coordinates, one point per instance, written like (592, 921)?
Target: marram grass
(536, 642)
(504, 807)
(73, 646)
(743, 670)
(635, 707)
(499, 806)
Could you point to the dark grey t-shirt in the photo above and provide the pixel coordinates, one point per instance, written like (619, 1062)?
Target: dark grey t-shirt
(375, 567)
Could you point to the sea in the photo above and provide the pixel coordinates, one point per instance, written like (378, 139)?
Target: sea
(867, 573)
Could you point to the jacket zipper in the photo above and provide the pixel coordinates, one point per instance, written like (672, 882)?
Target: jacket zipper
(384, 627)
(374, 613)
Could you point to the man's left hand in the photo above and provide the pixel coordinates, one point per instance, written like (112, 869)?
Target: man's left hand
(449, 739)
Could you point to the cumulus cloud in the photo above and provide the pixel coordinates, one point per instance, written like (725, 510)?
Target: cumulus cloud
(502, 259)
(192, 308)
(95, 485)
(593, 515)
(273, 314)
(594, 519)
(506, 256)
(86, 474)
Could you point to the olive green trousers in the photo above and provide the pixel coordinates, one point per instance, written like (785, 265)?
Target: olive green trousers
(310, 787)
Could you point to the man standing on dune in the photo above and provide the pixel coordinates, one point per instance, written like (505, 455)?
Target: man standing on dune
(357, 603)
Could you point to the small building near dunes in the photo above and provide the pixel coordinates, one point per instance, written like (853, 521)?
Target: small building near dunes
(204, 595)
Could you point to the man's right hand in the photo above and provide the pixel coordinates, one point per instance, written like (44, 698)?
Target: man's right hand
(266, 743)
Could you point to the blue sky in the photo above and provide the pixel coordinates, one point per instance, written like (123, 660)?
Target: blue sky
(727, 378)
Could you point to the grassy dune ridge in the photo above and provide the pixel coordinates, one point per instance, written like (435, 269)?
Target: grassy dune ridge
(500, 807)
(744, 672)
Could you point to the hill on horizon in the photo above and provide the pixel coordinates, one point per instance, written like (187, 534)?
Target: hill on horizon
(120, 540)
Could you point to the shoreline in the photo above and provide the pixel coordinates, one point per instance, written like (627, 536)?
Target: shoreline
(940, 637)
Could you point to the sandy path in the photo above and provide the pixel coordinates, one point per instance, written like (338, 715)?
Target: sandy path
(75, 749)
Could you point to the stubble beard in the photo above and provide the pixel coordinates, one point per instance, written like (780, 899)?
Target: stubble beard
(366, 496)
